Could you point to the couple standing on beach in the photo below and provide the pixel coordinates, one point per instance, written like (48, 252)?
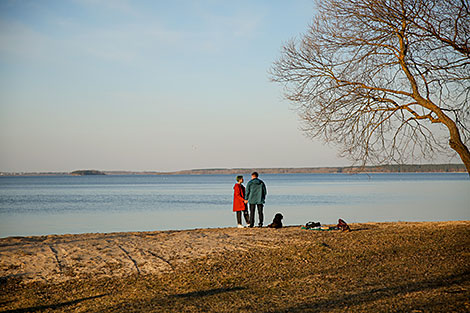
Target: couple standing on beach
(255, 196)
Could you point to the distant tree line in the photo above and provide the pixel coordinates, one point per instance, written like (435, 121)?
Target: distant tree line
(87, 172)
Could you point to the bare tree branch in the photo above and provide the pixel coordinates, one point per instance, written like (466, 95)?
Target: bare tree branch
(383, 78)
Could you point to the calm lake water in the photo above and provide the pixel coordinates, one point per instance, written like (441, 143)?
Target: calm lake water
(79, 204)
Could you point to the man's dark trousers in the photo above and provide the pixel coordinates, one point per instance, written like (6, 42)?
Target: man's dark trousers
(252, 214)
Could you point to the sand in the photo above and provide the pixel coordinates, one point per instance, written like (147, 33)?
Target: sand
(58, 258)
(387, 267)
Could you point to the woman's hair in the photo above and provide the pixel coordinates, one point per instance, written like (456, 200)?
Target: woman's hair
(239, 177)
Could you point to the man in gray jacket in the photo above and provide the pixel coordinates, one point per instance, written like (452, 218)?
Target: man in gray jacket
(256, 196)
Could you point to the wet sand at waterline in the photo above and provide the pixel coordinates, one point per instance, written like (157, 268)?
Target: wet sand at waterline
(414, 267)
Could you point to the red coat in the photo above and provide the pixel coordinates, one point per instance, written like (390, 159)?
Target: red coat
(239, 198)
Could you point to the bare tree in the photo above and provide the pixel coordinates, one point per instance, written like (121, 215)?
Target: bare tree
(388, 80)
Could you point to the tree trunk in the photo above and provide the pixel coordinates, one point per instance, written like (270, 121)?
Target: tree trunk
(455, 142)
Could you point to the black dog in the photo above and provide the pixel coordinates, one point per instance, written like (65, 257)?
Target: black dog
(277, 221)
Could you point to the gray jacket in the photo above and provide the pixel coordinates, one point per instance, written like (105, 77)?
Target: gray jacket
(256, 191)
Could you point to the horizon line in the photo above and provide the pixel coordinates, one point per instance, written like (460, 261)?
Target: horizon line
(237, 168)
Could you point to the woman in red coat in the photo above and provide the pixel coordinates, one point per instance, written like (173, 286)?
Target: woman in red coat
(239, 203)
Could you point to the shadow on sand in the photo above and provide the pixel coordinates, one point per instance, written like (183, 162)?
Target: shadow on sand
(53, 306)
(343, 301)
(209, 292)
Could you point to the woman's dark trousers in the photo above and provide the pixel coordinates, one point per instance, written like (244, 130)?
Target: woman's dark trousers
(245, 215)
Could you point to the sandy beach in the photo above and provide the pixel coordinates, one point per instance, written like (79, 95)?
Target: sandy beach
(60, 258)
(414, 267)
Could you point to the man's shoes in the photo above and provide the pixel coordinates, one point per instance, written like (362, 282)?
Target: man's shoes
(260, 225)
(240, 226)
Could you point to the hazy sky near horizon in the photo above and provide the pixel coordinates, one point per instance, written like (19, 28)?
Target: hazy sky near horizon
(149, 85)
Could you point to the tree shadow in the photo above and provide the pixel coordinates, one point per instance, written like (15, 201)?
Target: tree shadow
(340, 300)
(53, 306)
(359, 229)
(204, 293)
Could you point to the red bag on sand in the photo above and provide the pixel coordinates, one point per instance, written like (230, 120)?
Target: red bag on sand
(343, 225)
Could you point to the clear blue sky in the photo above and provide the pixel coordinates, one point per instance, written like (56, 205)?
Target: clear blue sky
(148, 85)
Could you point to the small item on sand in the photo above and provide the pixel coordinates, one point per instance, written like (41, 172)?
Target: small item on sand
(318, 226)
(343, 225)
(277, 221)
(312, 225)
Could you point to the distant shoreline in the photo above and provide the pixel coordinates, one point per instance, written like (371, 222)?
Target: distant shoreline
(410, 168)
